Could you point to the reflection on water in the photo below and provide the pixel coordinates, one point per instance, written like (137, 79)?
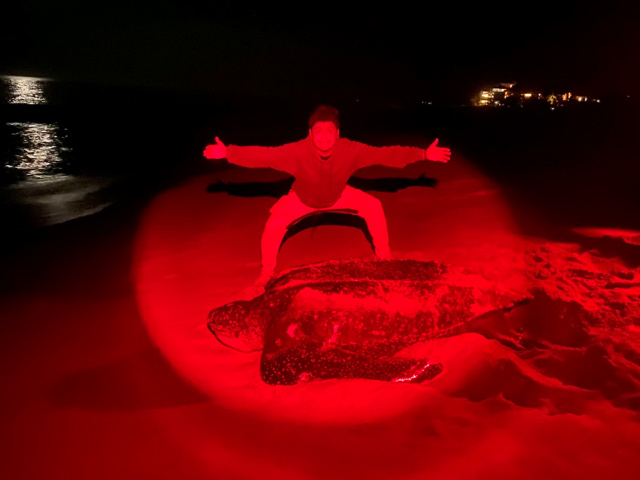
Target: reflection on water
(35, 147)
(39, 193)
(38, 149)
(25, 90)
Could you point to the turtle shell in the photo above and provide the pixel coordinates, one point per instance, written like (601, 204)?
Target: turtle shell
(348, 318)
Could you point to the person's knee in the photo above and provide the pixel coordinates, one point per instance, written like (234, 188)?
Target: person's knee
(276, 222)
(275, 226)
(371, 204)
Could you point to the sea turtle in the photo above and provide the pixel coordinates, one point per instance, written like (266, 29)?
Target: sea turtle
(348, 318)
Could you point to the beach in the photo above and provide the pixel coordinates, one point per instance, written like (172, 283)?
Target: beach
(110, 371)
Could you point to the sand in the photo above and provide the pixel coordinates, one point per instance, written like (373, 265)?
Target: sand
(109, 370)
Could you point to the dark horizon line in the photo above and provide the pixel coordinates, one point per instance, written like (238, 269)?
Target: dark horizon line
(451, 98)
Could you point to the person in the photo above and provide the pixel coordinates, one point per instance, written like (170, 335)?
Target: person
(321, 165)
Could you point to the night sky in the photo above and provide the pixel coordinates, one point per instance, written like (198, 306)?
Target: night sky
(442, 52)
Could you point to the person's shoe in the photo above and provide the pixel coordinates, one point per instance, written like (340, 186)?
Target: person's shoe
(263, 279)
(385, 255)
(254, 289)
(423, 370)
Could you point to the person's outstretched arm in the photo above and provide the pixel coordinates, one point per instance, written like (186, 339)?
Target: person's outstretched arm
(279, 158)
(216, 151)
(401, 156)
(434, 153)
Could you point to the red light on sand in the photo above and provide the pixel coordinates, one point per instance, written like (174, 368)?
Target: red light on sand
(499, 409)
(196, 250)
(628, 236)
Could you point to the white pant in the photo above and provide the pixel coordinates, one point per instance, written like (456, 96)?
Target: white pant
(289, 208)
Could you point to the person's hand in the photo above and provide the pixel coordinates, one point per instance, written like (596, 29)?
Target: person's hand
(438, 154)
(216, 151)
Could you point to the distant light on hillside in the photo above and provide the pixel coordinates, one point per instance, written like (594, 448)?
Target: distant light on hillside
(507, 95)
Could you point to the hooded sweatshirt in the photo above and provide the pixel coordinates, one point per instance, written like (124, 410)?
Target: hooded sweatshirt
(319, 182)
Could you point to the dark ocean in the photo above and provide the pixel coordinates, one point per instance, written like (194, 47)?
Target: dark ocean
(70, 149)
(73, 149)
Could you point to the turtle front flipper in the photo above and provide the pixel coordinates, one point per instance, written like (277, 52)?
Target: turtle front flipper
(309, 362)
